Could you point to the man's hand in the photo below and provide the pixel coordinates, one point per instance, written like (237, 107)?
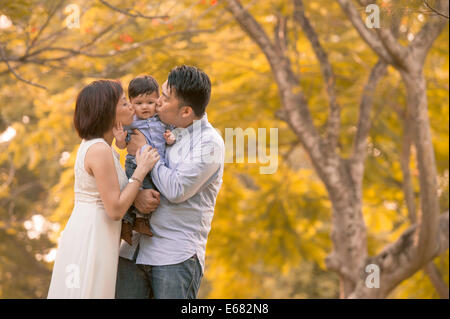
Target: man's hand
(147, 200)
(137, 141)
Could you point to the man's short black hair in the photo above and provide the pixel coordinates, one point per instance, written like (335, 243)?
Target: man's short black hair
(144, 84)
(192, 87)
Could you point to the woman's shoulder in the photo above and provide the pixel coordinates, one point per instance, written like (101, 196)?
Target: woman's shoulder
(99, 147)
(92, 144)
(97, 153)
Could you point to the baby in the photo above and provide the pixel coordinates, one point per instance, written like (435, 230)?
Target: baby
(143, 92)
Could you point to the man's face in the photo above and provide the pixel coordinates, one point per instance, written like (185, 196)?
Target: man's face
(168, 106)
(145, 104)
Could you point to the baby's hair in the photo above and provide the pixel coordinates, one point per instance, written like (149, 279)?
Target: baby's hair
(144, 84)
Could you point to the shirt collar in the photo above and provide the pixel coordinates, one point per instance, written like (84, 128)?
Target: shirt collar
(190, 128)
(180, 131)
(153, 118)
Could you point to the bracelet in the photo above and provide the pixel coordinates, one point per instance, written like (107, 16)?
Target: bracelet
(132, 178)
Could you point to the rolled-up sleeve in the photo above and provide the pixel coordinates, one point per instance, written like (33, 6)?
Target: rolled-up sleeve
(180, 183)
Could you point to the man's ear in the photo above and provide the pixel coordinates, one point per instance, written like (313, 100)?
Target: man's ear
(187, 111)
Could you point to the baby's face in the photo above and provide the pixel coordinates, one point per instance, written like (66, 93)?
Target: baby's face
(145, 105)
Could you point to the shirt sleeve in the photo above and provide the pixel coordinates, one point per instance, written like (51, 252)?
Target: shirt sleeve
(180, 183)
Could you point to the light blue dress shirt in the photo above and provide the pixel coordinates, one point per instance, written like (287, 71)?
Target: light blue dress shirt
(189, 183)
(153, 130)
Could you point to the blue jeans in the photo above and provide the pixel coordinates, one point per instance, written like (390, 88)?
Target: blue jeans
(179, 281)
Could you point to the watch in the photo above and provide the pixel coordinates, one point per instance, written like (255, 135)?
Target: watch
(132, 179)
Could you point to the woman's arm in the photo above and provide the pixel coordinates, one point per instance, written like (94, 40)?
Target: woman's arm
(99, 162)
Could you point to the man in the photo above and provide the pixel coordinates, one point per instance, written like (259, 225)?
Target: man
(170, 264)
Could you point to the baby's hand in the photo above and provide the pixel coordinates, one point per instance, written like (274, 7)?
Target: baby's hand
(169, 137)
(119, 133)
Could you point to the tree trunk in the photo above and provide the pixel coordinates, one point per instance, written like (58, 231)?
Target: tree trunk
(348, 234)
(427, 218)
(410, 199)
(343, 177)
(428, 238)
(397, 262)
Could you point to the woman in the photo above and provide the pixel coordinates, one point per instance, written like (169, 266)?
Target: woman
(87, 257)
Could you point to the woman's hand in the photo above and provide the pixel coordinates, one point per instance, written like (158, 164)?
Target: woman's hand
(146, 158)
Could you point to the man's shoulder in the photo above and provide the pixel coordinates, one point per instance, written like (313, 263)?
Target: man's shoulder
(212, 135)
(212, 139)
(212, 144)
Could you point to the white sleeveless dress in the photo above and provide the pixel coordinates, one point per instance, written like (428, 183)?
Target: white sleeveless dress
(88, 249)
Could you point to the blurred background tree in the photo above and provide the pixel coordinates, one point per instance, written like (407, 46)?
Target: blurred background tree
(271, 233)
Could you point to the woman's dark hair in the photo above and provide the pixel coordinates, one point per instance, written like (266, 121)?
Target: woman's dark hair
(144, 84)
(95, 109)
(192, 87)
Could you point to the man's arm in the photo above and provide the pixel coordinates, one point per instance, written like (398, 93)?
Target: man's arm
(182, 182)
(147, 200)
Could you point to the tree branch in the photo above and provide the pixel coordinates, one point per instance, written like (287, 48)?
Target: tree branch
(370, 37)
(101, 34)
(130, 14)
(13, 72)
(430, 269)
(399, 53)
(253, 29)
(405, 156)
(434, 10)
(388, 37)
(71, 52)
(436, 279)
(295, 108)
(47, 21)
(280, 31)
(427, 35)
(334, 118)
(359, 153)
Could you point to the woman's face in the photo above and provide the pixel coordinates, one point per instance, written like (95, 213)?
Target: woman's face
(124, 111)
